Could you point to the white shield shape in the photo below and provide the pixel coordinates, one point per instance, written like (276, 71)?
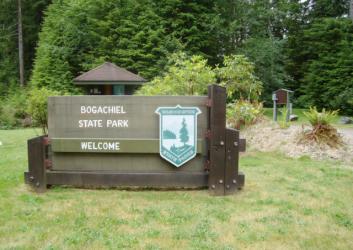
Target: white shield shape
(178, 133)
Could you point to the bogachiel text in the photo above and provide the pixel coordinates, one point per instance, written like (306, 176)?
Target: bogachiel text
(100, 123)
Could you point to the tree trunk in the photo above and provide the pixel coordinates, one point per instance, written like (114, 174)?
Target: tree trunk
(20, 44)
(351, 9)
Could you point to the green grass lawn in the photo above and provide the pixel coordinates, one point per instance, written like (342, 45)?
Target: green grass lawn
(286, 204)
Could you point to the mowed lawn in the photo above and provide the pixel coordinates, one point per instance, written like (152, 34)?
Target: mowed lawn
(286, 204)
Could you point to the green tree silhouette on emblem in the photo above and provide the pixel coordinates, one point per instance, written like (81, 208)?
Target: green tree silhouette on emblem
(184, 133)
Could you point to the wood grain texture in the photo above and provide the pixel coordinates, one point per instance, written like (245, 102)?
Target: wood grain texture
(217, 125)
(143, 124)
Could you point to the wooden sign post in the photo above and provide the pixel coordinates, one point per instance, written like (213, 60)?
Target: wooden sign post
(140, 141)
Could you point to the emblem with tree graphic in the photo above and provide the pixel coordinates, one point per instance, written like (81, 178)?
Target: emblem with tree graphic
(178, 133)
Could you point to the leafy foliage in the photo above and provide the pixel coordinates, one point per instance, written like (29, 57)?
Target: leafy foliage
(184, 76)
(268, 58)
(38, 106)
(13, 109)
(238, 77)
(243, 113)
(322, 131)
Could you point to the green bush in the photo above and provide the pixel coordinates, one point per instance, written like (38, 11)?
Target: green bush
(7, 118)
(13, 109)
(185, 76)
(243, 113)
(38, 106)
(238, 76)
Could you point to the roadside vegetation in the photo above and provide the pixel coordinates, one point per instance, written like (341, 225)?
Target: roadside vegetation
(285, 204)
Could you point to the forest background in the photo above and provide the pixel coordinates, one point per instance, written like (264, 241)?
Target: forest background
(302, 45)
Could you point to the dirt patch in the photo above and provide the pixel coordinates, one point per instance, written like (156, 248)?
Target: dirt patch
(268, 136)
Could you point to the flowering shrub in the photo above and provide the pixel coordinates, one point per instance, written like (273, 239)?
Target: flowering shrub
(243, 113)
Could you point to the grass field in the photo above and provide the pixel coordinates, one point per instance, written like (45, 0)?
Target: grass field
(286, 204)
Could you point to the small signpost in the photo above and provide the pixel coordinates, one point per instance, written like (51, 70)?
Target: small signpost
(282, 96)
(140, 141)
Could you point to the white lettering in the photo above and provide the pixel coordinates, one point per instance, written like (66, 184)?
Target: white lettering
(90, 123)
(102, 110)
(100, 146)
(117, 123)
(83, 145)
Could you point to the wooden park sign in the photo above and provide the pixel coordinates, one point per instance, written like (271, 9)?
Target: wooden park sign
(139, 141)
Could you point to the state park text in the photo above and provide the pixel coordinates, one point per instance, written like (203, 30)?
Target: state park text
(99, 123)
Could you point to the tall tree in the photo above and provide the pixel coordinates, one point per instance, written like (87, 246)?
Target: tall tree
(135, 34)
(296, 52)
(20, 43)
(328, 72)
(9, 43)
(328, 8)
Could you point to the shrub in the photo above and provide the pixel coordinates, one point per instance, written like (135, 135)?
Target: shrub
(243, 113)
(7, 118)
(38, 106)
(238, 76)
(185, 76)
(13, 108)
(321, 129)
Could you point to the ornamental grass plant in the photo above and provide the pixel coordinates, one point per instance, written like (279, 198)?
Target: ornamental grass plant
(321, 131)
(283, 123)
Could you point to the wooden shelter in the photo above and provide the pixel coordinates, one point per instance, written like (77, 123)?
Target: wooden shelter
(109, 79)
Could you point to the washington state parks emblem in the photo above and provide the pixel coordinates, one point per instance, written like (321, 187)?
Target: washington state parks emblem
(178, 133)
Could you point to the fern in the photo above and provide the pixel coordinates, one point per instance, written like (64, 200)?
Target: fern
(322, 131)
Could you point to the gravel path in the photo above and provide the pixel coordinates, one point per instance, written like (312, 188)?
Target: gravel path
(267, 136)
(346, 132)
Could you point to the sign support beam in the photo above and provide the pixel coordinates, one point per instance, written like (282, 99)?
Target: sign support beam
(217, 126)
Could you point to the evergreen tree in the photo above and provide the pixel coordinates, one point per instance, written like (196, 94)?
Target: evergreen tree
(8, 45)
(328, 8)
(328, 72)
(184, 133)
(136, 35)
(304, 14)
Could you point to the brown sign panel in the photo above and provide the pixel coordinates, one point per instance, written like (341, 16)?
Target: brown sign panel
(90, 126)
(282, 96)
